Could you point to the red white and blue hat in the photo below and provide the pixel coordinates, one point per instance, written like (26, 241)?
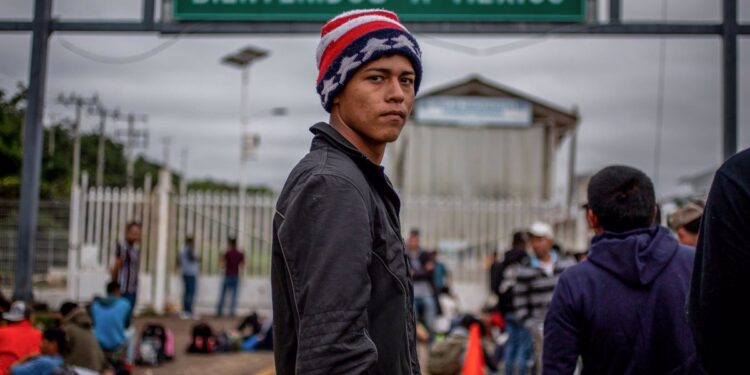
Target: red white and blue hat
(353, 39)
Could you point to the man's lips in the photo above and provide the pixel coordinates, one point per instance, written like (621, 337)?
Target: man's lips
(401, 114)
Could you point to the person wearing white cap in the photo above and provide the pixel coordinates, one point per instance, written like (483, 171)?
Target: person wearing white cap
(536, 282)
(19, 339)
(686, 222)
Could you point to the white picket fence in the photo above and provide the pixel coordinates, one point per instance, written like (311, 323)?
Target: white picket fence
(465, 230)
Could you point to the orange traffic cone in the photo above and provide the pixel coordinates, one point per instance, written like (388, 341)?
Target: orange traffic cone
(474, 359)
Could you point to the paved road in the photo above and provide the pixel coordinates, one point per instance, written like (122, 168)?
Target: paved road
(214, 364)
(219, 363)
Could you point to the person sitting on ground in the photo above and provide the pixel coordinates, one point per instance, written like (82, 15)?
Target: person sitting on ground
(84, 350)
(111, 317)
(54, 345)
(19, 339)
(686, 222)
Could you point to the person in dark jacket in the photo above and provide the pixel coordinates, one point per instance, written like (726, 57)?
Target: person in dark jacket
(717, 309)
(622, 310)
(342, 297)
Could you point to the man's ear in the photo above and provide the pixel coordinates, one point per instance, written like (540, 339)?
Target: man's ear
(592, 219)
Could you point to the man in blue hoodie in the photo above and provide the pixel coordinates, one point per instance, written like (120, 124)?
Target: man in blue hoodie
(623, 310)
(111, 316)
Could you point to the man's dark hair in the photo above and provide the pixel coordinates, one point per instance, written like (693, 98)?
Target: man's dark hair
(622, 198)
(112, 287)
(519, 239)
(694, 226)
(131, 224)
(232, 241)
(414, 232)
(58, 336)
(67, 307)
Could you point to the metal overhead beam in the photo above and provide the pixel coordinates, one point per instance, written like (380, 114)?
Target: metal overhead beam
(418, 27)
(16, 26)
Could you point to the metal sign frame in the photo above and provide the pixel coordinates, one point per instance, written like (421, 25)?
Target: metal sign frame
(43, 25)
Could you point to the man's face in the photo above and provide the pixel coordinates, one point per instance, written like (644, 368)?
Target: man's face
(541, 246)
(413, 242)
(378, 99)
(687, 238)
(48, 347)
(133, 234)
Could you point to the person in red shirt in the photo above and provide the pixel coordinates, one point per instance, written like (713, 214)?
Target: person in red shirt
(233, 260)
(19, 339)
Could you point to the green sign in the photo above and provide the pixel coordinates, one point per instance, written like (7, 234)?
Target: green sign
(408, 10)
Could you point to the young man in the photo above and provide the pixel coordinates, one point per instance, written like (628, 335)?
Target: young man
(189, 263)
(232, 260)
(84, 350)
(54, 345)
(717, 310)
(686, 222)
(623, 309)
(127, 263)
(535, 283)
(341, 290)
(518, 348)
(19, 339)
(111, 316)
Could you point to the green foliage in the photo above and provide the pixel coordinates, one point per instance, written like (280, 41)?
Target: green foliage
(58, 155)
(221, 186)
(11, 118)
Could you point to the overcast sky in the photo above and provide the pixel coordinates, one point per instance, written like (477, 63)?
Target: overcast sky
(193, 99)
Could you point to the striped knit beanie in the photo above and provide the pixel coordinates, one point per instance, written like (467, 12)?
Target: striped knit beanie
(353, 39)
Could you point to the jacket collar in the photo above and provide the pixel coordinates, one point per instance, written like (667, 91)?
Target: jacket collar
(324, 131)
(326, 135)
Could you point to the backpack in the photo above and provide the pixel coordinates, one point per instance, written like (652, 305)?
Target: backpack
(156, 345)
(444, 357)
(228, 341)
(202, 339)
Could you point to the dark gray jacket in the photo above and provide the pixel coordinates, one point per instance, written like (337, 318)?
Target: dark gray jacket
(342, 298)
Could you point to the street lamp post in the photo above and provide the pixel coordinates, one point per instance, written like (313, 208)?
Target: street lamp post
(242, 59)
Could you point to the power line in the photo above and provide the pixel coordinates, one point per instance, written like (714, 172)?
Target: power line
(493, 50)
(121, 60)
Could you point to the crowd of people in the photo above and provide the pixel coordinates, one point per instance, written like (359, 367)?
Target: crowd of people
(93, 339)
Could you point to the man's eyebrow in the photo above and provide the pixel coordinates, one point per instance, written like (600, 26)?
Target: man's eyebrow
(388, 71)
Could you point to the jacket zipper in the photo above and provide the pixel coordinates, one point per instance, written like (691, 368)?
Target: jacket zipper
(406, 299)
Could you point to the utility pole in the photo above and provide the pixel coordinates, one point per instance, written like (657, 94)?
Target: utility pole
(242, 60)
(133, 138)
(183, 170)
(103, 114)
(78, 102)
(33, 133)
(166, 143)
